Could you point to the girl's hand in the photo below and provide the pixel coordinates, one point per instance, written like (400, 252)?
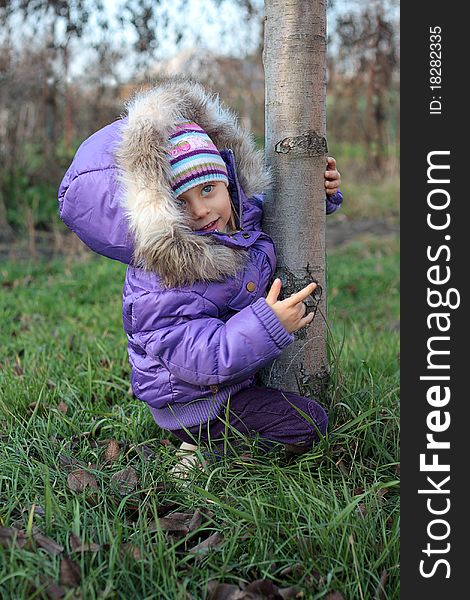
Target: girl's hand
(290, 311)
(332, 177)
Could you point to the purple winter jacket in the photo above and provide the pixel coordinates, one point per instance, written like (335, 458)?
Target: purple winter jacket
(194, 311)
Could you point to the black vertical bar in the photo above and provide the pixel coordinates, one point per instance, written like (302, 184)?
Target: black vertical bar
(434, 255)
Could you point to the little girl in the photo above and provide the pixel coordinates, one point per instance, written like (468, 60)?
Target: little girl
(175, 191)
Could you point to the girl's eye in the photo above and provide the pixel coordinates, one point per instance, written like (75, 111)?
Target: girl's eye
(210, 186)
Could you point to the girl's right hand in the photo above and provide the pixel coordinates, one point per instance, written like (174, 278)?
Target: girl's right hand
(290, 311)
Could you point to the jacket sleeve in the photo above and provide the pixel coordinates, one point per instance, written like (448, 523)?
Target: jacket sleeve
(333, 202)
(206, 350)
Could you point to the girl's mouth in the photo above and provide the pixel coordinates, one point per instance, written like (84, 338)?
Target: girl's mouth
(210, 226)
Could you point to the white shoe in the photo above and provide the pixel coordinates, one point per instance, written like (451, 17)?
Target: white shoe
(188, 460)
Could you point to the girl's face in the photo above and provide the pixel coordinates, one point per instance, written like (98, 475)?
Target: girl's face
(207, 205)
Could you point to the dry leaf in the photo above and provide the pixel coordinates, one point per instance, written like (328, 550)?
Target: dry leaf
(112, 450)
(46, 543)
(32, 407)
(291, 592)
(295, 570)
(18, 371)
(221, 591)
(381, 493)
(80, 479)
(69, 572)
(10, 536)
(361, 509)
(145, 452)
(62, 407)
(212, 541)
(176, 522)
(69, 461)
(125, 480)
(334, 596)
(38, 510)
(197, 519)
(51, 589)
(261, 588)
(342, 467)
(76, 544)
(134, 551)
(380, 591)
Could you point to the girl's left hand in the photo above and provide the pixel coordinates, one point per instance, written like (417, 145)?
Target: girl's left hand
(332, 177)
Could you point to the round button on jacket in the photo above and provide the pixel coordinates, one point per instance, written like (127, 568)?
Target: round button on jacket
(250, 286)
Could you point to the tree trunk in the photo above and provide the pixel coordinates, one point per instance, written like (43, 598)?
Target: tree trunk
(295, 73)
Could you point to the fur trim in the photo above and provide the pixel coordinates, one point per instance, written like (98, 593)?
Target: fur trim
(163, 241)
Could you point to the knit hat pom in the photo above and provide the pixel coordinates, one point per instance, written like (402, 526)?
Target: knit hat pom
(194, 158)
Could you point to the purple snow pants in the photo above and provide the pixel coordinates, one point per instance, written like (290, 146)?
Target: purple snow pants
(265, 413)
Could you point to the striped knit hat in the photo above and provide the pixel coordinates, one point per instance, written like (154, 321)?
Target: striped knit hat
(194, 158)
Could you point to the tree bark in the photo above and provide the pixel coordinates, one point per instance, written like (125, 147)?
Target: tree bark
(295, 125)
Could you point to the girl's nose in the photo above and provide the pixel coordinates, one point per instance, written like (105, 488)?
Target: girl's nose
(198, 209)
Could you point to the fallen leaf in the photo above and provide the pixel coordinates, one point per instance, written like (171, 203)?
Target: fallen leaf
(62, 407)
(380, 591)
(51, 589)
(342, 467)
(112, 450)
(76, 544)
(145, 452)
(37, 508)
(334, 596)
(166, 507)
(32, 407)
(197, 519)
(176, 522)
(381, 493)
(69, 572)
(80, 479)
(261, 588)
(134, 551)
(291, 592)
(212, 541)
(69, 461)
(361, 509)
(10, 536)
(295, 570)
(104, 362)
(352, 289)
(18, 370)
(125, 480)
(221, 591)
(51, 547)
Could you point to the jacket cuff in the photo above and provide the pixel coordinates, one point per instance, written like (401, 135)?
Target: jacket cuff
(273, 326)
(334, 202)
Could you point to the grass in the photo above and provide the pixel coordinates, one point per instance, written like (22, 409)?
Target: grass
(377, 202)
(327, 521)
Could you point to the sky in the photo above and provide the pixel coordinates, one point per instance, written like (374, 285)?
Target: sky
(208, 24)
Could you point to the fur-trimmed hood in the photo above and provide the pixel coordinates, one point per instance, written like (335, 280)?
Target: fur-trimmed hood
(134, 151)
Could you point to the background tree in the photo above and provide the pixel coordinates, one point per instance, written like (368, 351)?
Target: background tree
(295, 75)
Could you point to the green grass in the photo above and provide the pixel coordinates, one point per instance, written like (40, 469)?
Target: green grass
(378, 202)
(331, 515)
